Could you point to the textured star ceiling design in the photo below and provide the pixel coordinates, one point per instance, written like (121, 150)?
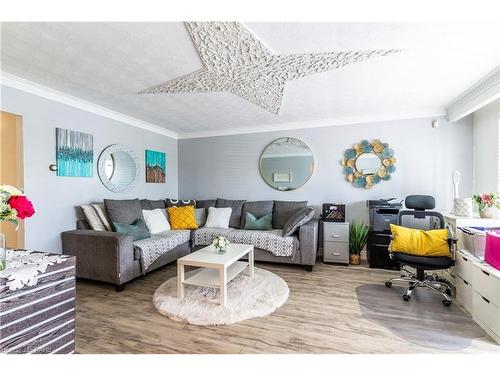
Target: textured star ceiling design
(236, 61)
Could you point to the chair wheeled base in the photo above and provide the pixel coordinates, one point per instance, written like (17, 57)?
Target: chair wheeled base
(421, 279)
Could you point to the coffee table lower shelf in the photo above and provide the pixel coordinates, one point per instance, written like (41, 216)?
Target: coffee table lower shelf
(210, 277)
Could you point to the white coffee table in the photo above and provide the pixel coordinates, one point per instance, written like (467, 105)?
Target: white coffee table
(218, 269)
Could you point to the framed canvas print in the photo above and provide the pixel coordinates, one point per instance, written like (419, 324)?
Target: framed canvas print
(74, 153)
(156, 165)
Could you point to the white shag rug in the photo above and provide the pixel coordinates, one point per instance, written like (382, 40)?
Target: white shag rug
(247, 297)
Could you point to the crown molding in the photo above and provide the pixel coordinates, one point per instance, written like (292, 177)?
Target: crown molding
(429, 113)
(22, 84)
(480, 94)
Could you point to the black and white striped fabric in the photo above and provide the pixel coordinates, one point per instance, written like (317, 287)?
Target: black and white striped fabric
(96, 217)
(37, 303)
(270, 240)
(153, 247)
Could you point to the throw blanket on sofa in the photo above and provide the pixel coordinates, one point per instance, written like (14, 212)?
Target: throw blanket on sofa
(158, 244)
(270, 240)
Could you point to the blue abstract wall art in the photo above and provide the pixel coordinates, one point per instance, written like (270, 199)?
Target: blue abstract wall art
(156, 166)
(74, 153)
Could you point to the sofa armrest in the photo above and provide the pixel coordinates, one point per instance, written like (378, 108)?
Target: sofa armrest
(308, 242)
(102, 256)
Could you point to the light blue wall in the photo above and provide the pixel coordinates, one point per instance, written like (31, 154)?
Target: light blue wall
(56, 198)
(228, 166)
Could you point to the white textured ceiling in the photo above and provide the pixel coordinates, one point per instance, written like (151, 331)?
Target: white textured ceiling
(108, 63)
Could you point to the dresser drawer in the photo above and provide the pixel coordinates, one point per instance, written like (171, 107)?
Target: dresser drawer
(336, 252)
(464, 293)
(336, 232)
(486, 312)
(486, 284)
(464, 267)
(379, 238)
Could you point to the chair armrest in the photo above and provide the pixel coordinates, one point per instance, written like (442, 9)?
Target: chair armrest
(308, 242)
(452, 244)
(100, 255)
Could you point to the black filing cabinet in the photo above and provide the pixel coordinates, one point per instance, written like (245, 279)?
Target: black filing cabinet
(382, 214)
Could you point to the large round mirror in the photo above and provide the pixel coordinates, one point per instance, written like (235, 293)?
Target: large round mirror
(118, 168)
(286, 164)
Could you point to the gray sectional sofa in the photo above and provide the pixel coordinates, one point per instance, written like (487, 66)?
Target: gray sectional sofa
(114, 258)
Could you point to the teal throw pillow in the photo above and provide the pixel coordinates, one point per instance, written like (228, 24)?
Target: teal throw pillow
(137, 229)
(263, 223)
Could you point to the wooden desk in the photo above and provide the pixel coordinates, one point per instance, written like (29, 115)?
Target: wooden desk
(37, 303)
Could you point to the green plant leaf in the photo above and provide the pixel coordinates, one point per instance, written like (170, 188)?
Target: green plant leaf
(358, 236)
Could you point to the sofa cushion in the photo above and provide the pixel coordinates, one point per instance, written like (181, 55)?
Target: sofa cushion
(182, 217)
(158, 203)
(148, 204)
(96, 217)
(145, 204)
(218, 217)
(137, 230)
(124, 211)
(206, 203)
(201, 216)
(156, 220)
(270, 240)
(179, 202)
(237, 208)
(300, 217)
(283, 210)
(263, 223)
(150, 249)
(257, 209)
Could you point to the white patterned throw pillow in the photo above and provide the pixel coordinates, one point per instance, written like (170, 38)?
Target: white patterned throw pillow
(96, 217)
(218, 217)
(156, 220)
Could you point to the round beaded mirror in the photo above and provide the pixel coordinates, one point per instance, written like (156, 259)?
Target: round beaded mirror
(368, 163)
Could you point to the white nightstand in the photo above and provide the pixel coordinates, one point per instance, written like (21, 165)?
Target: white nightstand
(335, 242)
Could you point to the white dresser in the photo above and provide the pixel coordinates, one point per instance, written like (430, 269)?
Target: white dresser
(453, 222)
(478, 291)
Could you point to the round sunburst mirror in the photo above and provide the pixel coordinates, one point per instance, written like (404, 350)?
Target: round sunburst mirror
(368, 163)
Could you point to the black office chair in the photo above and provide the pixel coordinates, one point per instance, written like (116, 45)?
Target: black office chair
(419, 218)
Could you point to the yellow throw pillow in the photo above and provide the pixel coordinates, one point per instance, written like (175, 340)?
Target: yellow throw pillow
(182, 217)
(430, 243)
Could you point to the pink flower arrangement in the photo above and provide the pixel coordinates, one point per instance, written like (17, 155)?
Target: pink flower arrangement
(14, 205)
(486, 200)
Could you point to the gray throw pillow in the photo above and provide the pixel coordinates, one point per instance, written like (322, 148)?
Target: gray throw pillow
(300, 217)
(205, 203)
(257, 209)
(283, 210)
(237, 208)
(200, 216)
(123, 211)
(145, 204)
(158, 203)
(137, 230)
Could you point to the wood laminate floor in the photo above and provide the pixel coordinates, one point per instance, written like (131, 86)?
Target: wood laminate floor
(322, 315)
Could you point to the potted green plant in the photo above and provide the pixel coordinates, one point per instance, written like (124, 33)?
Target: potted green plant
(358, 236)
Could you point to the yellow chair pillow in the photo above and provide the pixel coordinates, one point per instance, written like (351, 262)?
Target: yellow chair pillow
(430, 243)
(182, 217)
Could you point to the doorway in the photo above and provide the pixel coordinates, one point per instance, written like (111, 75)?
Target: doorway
(11, 169)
